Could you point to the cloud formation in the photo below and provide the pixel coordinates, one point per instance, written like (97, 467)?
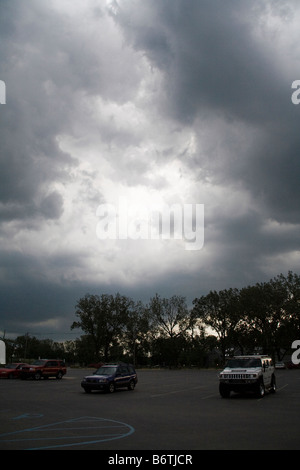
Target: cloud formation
(148, 101)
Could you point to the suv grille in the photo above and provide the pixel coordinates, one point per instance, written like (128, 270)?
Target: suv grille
(238, 376)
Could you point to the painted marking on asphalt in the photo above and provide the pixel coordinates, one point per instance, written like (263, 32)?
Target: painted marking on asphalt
(72, 432)
(172, 392)
(281, 388)
(29, 415)
(210, 396)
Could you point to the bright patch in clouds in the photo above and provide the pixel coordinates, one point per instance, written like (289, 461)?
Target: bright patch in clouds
(152, 103)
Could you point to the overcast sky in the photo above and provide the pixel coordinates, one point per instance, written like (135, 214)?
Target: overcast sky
(149, 102)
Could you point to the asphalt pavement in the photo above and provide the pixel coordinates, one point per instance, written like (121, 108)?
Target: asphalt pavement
(178, 411)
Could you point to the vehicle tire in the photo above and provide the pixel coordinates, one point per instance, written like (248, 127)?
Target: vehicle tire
(59, 375)
(87, 390)
(224, 391)
(261, 389)
(111, 387)
(37, 376)
(10, 376)
(131, 385)
(273, 384)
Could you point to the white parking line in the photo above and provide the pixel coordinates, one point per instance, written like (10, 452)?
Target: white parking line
(175, 391)
(169, 393)
(210, 396)
(281, 388)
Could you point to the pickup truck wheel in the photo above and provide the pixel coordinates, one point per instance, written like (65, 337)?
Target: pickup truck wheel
(59, 375)
(37, 376)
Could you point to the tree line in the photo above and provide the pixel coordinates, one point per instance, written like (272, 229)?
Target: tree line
(262, 318)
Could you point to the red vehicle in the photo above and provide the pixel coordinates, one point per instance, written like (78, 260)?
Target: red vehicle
(44, 368)
(12, 371)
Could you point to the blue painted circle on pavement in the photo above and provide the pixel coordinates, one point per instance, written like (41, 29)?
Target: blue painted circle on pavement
(72, 432)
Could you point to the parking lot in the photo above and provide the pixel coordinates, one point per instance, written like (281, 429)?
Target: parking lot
(169, 410)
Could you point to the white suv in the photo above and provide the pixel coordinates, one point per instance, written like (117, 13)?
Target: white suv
(248, 373)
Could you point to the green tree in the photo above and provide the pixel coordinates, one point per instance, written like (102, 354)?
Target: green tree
(264, 314)
(170, 317)
(170, 324)
(103, 318)
(291, 284)
(27, 347)
(136, 332)
(220, 311)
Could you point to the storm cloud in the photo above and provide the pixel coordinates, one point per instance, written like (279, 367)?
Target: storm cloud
(148, 101)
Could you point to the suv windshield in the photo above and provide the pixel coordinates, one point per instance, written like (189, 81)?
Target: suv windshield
(39, 362)
(243, 363)
(106, 371)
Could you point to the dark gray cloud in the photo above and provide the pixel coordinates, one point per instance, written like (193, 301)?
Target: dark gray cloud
(154, 102)
(221, 68)
(214, 63)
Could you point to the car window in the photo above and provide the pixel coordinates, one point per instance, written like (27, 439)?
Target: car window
(106, 370)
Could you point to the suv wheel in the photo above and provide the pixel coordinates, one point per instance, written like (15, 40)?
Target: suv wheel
(273, 384)
(224, 391)
(37, 376)
(261, 389)
(131, 385)
(59, 375)
(111, 387)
